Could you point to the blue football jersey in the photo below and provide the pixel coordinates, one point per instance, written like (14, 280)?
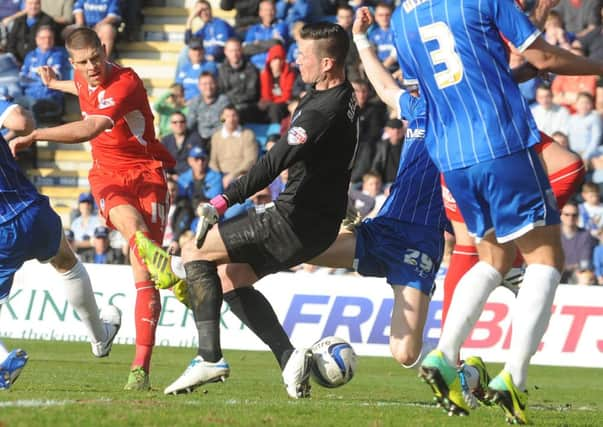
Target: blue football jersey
(16, 192)
(455, 52)
(416, 194)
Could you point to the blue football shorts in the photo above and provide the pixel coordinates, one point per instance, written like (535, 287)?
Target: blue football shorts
(510, 195)
(35, 233)
(404, 253)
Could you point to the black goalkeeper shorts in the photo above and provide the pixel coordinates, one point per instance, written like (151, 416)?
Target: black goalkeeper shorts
(265, 240)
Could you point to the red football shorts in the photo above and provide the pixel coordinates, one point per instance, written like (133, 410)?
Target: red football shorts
(144, 188)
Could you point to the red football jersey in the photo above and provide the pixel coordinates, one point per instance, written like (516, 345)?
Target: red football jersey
(123, 99)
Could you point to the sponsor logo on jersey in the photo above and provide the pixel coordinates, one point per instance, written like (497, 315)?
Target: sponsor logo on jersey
(104, 102)
(415, 133)
(296, 136)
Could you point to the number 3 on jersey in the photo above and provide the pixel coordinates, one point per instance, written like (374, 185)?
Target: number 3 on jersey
(444, 54)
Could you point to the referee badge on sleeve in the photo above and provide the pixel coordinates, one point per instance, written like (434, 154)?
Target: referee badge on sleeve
(296, 136)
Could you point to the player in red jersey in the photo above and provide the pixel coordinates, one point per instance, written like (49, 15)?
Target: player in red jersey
(127, 177)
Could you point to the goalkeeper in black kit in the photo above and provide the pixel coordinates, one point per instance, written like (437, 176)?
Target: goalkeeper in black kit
(318, 151)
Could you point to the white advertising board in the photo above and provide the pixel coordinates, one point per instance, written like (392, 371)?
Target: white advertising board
(309, 306)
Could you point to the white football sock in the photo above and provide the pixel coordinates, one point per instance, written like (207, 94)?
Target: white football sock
(178, 267)
(531, 315)
(79, 294)
(467, 304)
(3, 352)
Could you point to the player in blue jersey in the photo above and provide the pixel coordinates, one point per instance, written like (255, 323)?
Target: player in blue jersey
(261, 37)
(26, 217)
(481, 129)
(101, 15)
(382, 36)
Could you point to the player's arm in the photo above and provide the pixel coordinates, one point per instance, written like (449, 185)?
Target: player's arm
(294, 146)
(49, 78)
(546, 57)
(386, 87)
(70, 133)
(19, 122)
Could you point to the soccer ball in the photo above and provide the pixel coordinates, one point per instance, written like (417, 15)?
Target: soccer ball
(334, 362)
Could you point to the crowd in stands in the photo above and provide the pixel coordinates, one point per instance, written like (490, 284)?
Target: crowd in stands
(235, 88)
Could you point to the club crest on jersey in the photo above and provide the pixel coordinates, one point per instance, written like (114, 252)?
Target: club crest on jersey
(104, 102)
(296, 136)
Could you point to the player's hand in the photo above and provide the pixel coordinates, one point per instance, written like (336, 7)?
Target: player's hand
(363, 21)
(209, 214)
(20, 143)
(47, 75)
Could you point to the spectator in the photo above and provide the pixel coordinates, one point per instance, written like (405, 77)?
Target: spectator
(577, 243)
(293, 49)
(549, 116)
(592, 42)
(233, 148)
(276, 85)
(581, 16)
(199, 183)
(61, 12)
(131, 11)
(214, 31)
(584, 275)
(598, 258)
(566, 88)
(345, 18)
(584, 128)
(371, 118)
(389, 150)
(382, 36)
(238, 79)
(204, 110)
(247, 13)
(261, 37)
(22, 36)
(9, 11)
(591, 210)
(554, 31)
(292, 11)
(101, 252)
(189, 72)
(46, 104)
(366, 202)
(101, 15)
(180, 142)
(84, 225)
(170, 102)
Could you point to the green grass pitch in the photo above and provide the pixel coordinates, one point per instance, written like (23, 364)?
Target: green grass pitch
(63, 385)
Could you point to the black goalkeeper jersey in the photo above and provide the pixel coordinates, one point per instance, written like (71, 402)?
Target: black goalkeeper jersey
(318, 150)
